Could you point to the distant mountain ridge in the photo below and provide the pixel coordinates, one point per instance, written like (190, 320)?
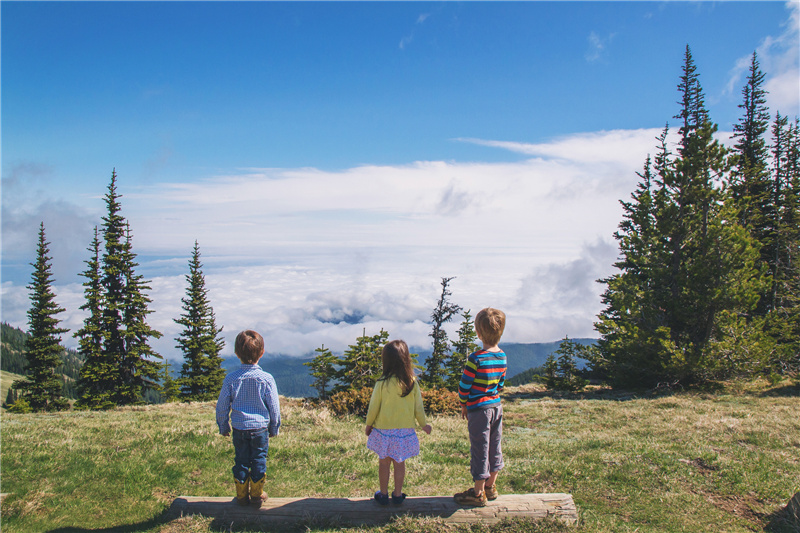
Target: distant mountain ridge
(293, 378)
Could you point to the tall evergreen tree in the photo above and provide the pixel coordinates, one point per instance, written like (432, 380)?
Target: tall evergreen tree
(127, 367)
(750, 184)
(138, 365)
(98, 371)
(434, 374)
(783, 248)
(462, 348)
(688, 269)
(200, 341)
(41, 388)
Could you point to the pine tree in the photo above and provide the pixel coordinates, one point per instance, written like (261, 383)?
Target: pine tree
(98, 371)
(783, 257)
(202, 373)
(688, 269)
(125, 366)
(561, 373)
(41, 388)
(434, 374)
(138, 366)
(323, 370)
(750, 184)
(361, 364)
(462, 348)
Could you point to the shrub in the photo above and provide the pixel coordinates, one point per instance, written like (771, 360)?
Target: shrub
(351, 401)
(21, 406)
(356, 402)
(441, 402)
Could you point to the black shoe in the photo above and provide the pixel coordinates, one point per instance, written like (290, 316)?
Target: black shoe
(397, 500)
(381, 498)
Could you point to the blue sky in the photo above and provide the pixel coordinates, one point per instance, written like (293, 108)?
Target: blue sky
(337, 159)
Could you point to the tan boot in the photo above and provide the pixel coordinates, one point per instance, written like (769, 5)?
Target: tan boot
(257, 495)
(242, 491)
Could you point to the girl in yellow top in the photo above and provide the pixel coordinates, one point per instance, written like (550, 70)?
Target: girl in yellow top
(395, 405)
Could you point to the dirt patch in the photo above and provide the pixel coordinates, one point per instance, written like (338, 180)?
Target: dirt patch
(747, 507)
(701, 465)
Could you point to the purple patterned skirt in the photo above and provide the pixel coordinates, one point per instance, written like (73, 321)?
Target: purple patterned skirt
(399, 444)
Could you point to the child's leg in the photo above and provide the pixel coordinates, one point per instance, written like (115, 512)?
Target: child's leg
(384, 466)
(399, 477)
(241, 462)
(496, 462)
(478, 424)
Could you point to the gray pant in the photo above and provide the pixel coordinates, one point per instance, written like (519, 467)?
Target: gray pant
(485, 433)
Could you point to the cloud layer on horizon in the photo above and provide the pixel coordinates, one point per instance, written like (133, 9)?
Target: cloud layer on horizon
(311, 257)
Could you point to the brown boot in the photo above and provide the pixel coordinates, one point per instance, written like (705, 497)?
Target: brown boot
(491, 492)
(468, 497)
(257, 495)
(243, 491)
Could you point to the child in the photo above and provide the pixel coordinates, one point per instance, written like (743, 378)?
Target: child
(250, 396)
(395, 404)
(482, 380)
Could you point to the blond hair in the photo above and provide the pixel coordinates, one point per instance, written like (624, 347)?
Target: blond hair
(490, 323)
(249, 346)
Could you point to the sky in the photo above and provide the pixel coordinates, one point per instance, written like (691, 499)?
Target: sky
(335, 160)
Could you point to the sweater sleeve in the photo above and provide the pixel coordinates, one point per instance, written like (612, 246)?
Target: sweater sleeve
(274, 405)
(223, 409)
(467, 377)
(419, 407)
(374, 405)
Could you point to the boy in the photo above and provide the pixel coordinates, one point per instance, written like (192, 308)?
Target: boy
(250, 396)
(483, 378)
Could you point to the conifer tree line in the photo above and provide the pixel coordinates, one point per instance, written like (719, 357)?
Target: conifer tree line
(708, 284)
(119, 365)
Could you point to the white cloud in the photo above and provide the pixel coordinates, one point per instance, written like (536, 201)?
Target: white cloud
(598, 46)
(778, 57)
(309, 257)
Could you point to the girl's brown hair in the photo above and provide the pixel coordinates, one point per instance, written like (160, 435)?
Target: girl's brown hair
(397, 363)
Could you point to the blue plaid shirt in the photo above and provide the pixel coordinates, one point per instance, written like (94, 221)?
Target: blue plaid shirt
(249, 397)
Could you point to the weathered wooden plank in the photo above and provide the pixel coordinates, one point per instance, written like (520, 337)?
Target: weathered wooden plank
(365, 511)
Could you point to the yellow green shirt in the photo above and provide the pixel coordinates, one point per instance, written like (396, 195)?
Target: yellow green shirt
(389, 410)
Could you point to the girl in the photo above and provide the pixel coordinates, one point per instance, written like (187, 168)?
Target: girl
(395, 404)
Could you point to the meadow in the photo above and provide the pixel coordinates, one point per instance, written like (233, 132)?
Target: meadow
(724, 461)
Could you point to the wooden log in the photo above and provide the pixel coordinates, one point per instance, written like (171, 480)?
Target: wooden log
(793, 510)
(366, 511)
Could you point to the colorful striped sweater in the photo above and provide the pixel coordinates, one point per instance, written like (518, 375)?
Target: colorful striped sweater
(482, 380)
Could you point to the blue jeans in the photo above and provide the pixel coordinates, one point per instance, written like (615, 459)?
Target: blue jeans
(251, 447)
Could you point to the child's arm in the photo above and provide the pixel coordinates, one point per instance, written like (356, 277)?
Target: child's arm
(465, 385)
(419, 410)
(273, 403)
(223, 410)
(373, 409)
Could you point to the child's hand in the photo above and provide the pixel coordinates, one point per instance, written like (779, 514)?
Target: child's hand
(463, 411)
(427, 429)
(368, 430)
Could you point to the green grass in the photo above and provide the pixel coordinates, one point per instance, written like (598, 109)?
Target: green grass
(688, 462)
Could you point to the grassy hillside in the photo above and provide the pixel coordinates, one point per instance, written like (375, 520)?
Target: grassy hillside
(688, 462)
(6, 379)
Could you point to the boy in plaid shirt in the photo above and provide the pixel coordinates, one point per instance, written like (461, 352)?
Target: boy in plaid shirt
(249, 401)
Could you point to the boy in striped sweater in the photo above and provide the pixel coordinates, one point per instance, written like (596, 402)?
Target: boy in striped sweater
(479, 391)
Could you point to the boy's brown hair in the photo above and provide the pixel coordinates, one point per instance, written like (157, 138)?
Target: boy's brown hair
(490, 323)
(249, 347)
